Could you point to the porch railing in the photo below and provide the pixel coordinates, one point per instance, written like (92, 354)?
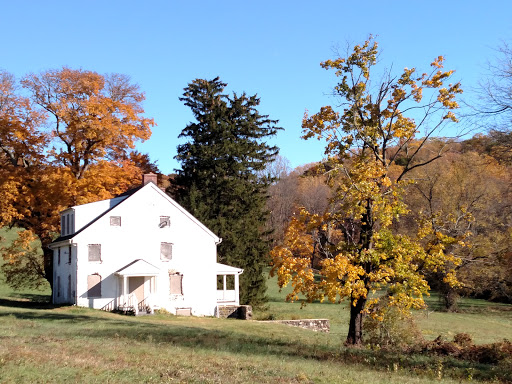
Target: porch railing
(110, 306)
(227, 296)
(145, 306)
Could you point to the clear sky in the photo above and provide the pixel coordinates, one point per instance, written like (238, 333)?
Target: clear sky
(272, 48)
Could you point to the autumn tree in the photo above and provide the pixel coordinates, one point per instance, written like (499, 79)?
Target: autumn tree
(220, 179)
(291, 190)
(65, 138)
(372, 144)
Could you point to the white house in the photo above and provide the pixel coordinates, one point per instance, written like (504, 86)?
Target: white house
(140, 251)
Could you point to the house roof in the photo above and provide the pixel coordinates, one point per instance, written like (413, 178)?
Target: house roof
(128, 194)
(68, 237)
(138, 267)
(223, 269)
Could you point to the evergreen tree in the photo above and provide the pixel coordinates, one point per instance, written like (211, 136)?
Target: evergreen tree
(219, 182)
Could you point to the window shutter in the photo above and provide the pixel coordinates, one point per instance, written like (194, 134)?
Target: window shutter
(94, 285)
(165, 221)
(115, 221)
(166, 251)
(94, 252)
(176, 283)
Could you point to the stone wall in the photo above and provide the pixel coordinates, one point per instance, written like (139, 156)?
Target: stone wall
(317, 325)
(243, 312)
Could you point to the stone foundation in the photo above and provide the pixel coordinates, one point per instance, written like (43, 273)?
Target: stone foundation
(242, 312)
(317, 325)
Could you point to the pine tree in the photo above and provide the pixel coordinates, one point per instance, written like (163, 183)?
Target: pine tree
(219, 182)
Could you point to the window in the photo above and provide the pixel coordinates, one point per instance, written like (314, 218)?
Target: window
(58, 256)
(69, 288)
(115, 221)
(68, 227)
(72, 228)
(176, 283)
(69, 254)
(63, 225)
(58, 286)
(166, 251)
(94, 285)
(165, 221)
(94, 252)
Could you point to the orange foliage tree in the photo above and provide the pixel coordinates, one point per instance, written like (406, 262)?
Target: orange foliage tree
(371, 145)
(65, 139)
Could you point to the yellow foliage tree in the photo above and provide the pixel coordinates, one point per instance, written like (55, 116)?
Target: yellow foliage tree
(371, 144)
(66, 142)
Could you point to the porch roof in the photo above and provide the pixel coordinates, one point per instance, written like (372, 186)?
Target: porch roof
(223, 269)
(138, 267)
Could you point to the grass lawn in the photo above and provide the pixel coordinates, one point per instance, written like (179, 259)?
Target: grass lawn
(485, 322)
(44, 344)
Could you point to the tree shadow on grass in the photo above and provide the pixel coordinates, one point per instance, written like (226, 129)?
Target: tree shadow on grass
(85, 319)
(29, 301)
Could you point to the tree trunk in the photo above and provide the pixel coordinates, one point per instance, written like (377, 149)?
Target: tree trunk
(355, 329)
(450, 298)
(48, 265)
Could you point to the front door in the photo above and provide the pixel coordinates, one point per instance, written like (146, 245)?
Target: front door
(137, 287)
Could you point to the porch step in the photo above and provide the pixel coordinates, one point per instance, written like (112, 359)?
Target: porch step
(129, 311)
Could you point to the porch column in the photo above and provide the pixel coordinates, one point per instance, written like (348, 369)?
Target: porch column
(125, 290)
(224, 287)
(237, 289)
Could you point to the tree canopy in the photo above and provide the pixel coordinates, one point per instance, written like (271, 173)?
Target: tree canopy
(65, 139)
(219, 181)
(372, 143)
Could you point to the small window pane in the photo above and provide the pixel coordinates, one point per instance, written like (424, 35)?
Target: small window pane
(165, 221)
(94, 252)
(115, 221)
(176, 281)
(166, 251)
(94, 286)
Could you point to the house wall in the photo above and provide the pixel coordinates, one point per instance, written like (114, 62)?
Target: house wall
(64, 275)
(139, 237)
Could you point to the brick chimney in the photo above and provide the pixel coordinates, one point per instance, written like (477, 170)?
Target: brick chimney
(149, 178)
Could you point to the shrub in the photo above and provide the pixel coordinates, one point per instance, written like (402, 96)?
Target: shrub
(463, 340)
(391, 328)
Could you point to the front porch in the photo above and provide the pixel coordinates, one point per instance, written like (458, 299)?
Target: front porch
(228, 290)
(137, 287)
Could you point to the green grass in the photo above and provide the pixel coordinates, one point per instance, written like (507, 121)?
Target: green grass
(485, 322)
(82, 345)
(46, 344)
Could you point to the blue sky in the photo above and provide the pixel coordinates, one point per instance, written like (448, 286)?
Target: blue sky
(272, 48)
